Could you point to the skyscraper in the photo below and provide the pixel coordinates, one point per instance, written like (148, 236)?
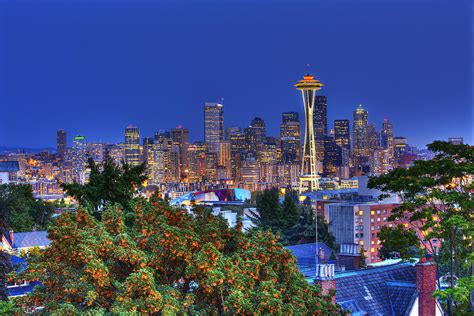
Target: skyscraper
(180, 136)
(255, 135)
(79, 158)
(386, 139)
(320, 117)
(342, 133)
(360, 136)
(61, 142)
(290, 135)
(132, 146)
(309, 179)
(213, 125)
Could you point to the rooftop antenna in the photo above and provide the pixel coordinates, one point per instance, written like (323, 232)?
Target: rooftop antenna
(308, 67)
(222, 101)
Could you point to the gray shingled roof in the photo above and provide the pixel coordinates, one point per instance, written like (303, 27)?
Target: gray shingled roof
(31, 239)
(388, 290)
(9, 166)
(402, 296)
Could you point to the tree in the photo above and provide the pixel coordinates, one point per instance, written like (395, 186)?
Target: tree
(398, 242)
(363, 257)
(166, 261)
(108, 183)
(437, 201)
(304, 231)
(20, 211)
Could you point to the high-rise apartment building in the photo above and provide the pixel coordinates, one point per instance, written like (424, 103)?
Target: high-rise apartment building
(132, 146)
(213, 125)
(61, 142)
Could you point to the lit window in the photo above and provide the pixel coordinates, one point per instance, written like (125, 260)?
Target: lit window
(361, 213)
(372, 242)
(378, 211)
(372, 212)
(384, 219)
(372, 250)
(372, 228)
(371, 220)
(361, 242)
(378, 219)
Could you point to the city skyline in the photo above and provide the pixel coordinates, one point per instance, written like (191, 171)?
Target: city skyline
(99, 73)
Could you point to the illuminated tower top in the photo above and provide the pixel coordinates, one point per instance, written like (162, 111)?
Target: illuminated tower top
(308, 83)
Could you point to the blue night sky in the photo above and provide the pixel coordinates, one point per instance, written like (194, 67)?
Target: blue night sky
(94, 67)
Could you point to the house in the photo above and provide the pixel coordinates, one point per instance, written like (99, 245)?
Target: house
(15, 243)
(19, 289)
(399, 289)
(9, 171)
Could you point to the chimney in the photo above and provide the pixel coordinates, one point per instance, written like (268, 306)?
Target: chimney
(12, 237)
(426, 286)
(349, 257)
(325, 279)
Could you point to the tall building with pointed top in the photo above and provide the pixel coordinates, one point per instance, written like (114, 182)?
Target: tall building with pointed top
(360, 135)
(309, 179)
(213, 125)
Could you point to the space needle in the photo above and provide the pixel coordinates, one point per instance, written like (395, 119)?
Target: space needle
(309, 179)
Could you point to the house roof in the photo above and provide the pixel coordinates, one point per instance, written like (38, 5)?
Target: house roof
(306, 256)
(31, 239)
(402, 296)
(388, 290)
(9, 166)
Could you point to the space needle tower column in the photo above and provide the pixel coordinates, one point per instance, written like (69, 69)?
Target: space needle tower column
(309, 179)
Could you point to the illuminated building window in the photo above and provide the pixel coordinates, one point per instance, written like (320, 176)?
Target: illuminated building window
(361, 213)
(372, 212)
(371, 220)
(361, 242)
(372, 228)
(372, 250)
(378, 211)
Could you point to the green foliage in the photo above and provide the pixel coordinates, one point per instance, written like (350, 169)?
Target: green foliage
(108, 183)
(398, 242)
(166, 261)
(363, 257)
(20, 211)
(304, 230)
(273, 215)
(437, 199)
(8, 308)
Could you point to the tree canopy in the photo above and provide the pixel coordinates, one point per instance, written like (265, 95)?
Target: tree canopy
(167, 261)
(20, 211)
(437, 201)
(108, 183)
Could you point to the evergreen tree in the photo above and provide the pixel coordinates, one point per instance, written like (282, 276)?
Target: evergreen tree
(108, 183)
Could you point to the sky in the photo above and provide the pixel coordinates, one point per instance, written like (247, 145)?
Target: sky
(94, 67)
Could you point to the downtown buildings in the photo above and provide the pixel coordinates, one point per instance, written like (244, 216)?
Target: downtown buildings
(235, 156)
